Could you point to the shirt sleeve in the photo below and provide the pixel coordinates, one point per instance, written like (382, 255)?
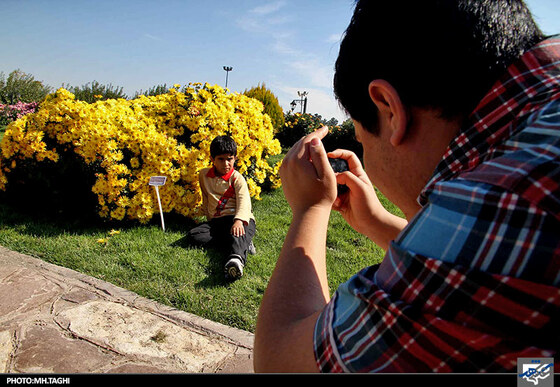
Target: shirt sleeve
(243, 209)
(479, 225)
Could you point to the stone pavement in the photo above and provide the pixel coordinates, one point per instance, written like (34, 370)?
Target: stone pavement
(55, 320)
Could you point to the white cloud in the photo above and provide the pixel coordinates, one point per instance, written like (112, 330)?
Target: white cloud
(268, 8)
(249, 24)
(263, 19)
(152, 37)
(305, 70)
(317, 74)
(318, 101)
(279, 20)
(282, 46)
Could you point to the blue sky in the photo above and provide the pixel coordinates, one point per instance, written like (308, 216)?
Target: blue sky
(289, 45)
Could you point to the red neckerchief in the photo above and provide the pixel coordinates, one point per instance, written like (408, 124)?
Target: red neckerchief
(230, 192)
(226, 177)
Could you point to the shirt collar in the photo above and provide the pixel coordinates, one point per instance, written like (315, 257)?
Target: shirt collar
(528, 83)
(212, 173)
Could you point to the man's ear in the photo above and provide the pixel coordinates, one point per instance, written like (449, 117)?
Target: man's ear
(391, 108)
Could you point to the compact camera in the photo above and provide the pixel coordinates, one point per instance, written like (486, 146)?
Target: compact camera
(339, 165)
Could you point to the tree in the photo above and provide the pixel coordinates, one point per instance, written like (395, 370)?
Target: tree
(21, 87)
(94, 91)
(271, 105)
(153, 91)
(332, 122)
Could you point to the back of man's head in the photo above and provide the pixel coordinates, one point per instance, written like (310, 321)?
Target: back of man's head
(442, 54)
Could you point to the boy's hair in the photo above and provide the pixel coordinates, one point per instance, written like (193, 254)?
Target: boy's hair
(223, 145)
(442, 54)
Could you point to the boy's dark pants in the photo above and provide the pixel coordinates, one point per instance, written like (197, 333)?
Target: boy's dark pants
(217, 232)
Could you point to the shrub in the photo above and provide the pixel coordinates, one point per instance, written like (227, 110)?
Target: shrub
(342, 136)
(112, 148)
(296, 126)
(9, 113)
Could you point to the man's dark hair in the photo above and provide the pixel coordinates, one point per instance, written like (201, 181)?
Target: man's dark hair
(442, 54)
(223, 145)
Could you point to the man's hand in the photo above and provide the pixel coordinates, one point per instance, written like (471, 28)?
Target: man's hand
(360, 206)
(308, 180)
(237, 229)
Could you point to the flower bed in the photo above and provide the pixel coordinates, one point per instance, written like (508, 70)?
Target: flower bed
(9, 113)
(120, 144)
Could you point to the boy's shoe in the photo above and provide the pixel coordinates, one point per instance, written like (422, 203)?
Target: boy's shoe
(234, 267)
(252, 249)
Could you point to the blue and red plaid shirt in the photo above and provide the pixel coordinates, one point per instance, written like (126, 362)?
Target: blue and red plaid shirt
(472, 283)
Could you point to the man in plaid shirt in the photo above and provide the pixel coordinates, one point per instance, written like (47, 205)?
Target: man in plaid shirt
(457, 106)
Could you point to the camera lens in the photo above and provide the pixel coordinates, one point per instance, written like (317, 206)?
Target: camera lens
(339, 165)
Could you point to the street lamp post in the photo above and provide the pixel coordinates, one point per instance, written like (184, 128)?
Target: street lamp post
(302, 101)
(227, 69)
(303, 96)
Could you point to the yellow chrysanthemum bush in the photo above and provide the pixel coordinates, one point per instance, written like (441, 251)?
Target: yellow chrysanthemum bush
(113, 147)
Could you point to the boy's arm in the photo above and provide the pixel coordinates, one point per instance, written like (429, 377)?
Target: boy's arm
(204, 194)
(243, 210)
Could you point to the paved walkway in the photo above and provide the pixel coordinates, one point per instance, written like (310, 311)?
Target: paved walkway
(55, 320)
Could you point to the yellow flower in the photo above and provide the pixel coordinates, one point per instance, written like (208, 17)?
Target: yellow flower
(114, 232)
(123, 143)
(102, 240)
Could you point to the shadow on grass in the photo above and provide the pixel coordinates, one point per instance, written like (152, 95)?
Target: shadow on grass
(216, 260)
(215, 270)
(48, 224)
(49, 221)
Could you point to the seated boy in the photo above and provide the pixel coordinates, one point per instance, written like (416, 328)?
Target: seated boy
(227, 205)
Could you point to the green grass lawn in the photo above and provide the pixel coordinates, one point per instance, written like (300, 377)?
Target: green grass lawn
(158, 265)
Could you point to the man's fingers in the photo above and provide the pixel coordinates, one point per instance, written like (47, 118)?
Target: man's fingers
(349, 179)
(319, 157)
(300, 150)
(302, 145)
(354, 163)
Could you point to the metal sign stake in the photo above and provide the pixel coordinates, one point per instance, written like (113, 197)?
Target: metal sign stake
(157, 181)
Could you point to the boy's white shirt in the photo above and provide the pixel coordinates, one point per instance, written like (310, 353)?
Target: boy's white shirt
(213, 187)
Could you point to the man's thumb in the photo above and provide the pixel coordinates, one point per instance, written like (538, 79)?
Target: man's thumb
(319, 156)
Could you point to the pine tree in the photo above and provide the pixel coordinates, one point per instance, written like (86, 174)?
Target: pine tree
(271, 105)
